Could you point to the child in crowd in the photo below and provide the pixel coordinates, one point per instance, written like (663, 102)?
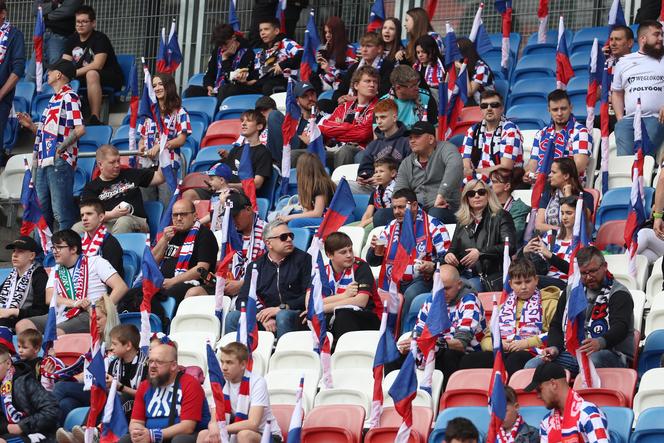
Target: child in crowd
(29, 344)
(514, 428)
(217, 180)
(385, 172)
(429, 63)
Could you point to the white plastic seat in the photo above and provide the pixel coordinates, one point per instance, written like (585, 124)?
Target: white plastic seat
(654, 283)
(451, 228)
(282, 387)
(423, 398)
(298, 341)
(592, 161)
(280, 99)
(355, 349)
(192, 347)
(655, 318)
(523, 194)
(348, 171)
(264, 347)
(196, 322)
(620, 171)
(295, 360)
(639, 299)
(618, 265)
(651, 391)
(375, 231)
(201, 304)
(11, 179)
(356, 234)
(343, 396)
(347, 381)
(527, 145)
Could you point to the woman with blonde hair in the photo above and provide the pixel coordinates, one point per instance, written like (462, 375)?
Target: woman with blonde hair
(417, 24)
(314, 189)
(478, 242)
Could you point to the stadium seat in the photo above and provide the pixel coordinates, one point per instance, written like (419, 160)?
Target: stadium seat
(583, 38)
(390, 420)
(518, 381)
(577, 84)
(10, 136)
(193, 180)
(348, 171)
(356, 234)
(154, 210)
(655, 318)
(541, 49)
(408, 323)
(528, 91)
(618, 386)
(367, 244)
(202, 208)
(479, 415)
(533, 66)
(515, 41)
(298, 341)
(200, 108)
(493, 59)
(70, 347)
(232, 107)
(530, 111)
(4, 273)
(620, 172)
(502, 87)
(551, 37)
(11, 179)
(347, 396)
(422, 398)
(648, 427)
(471, 113)
(361, 203)
(486, 298)
(23, 95)
(333, 424)
(652, 351)
(302, 238)
(80, 179)
(533, 415)
(580, 62)
(75, 417)
(280, 99)
(618, 265)
(326, 95)
(94, 137)
(134, 242)
(620, 423)
(461, 128)
(466, 387)
(265, 340)
(651, 391)
(639, 299)
(283, 414)
(355, 349)
(194, 80)
(283, 385)
(223, 132)
(192, 347)
(134, 318)
(615, 204)
(654, 284)
(195, 322)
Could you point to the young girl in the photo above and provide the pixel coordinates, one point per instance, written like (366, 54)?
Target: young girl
(417, 24)
(314, 189)
(479, 74)
(429, 63)
(391, 35)
(337, 55)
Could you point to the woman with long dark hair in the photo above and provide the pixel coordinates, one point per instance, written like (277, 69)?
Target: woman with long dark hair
(336, 55)
(417, 24)
(429, 63)
(480, 77)
(390, 33)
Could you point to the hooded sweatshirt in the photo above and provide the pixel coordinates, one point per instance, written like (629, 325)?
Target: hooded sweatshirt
(395, 146)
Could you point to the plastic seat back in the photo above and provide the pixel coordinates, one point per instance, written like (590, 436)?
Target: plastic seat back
(411, 316)
(202, 322)
(479, 415)
(134, 242)
(390, 418)
(466, 387)
(518, 381)
(302, 238)
(651, 392)
(75, 417)
(134, 318)
(610, 233)
(232, 107)
(334, 423)
(648, 427)
(620, 423)
(532, 415)
(200, 107)
(348, 171)
(154, 210)
(283, 414)
(652, 352)
(70, 347)
(221, 132)
(618, 386)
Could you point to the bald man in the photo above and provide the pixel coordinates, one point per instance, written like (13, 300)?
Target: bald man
(466, 316)
(151, 417)
(183, 248)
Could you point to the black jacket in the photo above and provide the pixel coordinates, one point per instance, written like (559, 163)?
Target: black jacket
(247, 61)
(384, 84)
(277, 284)
(38, 405)
(488, 238)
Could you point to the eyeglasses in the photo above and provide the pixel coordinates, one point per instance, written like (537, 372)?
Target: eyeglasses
(473, 193)
(284, 237)
(590, 271)
(159, 362)
(83, 22)
(59, 247)
(182, 214)
(492, 105)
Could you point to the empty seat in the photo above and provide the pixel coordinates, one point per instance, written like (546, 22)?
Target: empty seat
(356, 385)
(467, 387)
(620, 172)
(618, 386)
(344, 396)
(654, 283)
(11, 179)
(610, 233)
(283, 385)
(620, 423)
(295, 360)
(201, 322)
(615, 204)
(347, 171)
(651, 392)
(283, 414)
(618, 265)
(264, 346)
(200, 108)
(232, 107)
(652, 351)
(422, 397)
(655, 318)
(222, 132)
(533, 66)
(390, 420)
(583, 38)
(649, 426)
(333, 423)
(355, 349)
(298, 341)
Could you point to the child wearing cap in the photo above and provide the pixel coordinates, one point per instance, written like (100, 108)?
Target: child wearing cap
(384, 178)
(217, 180)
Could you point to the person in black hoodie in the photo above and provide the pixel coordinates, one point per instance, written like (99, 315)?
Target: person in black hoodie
(28, 408)
(284, 274)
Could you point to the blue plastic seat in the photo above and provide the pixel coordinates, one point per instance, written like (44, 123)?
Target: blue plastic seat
(493, 59)
(543, 49)
(529, 111)
(194, 80)
(529, 91)
(80, 179)
(580, 62)
(134, 318)
(615, 204)
(133, 242)
(533, 415)
(578, 101)
(584, 37)
(649, 427)
(75, 417)
(187, 154)
(479, 415)
(263, 207)
(169, 307)
(233, 106)
(23, 95)
(94, 137)
(551, 37)
(49, 260)
(578, 83)
(4, 273)
(527, 124)
(361, 203)
(205, 159)
(10, 136)
(408, 323)
(197, 134)
(302, 238)
(200, 108)
(327, 95)
(620, 423)
(129, 271)
(153, 209)
(269, 189)
(652, 351)
(533, 66)
(515, 41)
(87, 164)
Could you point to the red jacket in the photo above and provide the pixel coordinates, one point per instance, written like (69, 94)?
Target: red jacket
(360, 131)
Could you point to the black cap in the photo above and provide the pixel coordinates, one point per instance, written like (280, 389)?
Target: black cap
(545, 372)
(420, 128)
(302, 88)
(25, 243)
(240, 201)
(66, 67)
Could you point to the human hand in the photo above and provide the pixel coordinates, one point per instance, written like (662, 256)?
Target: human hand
(242, 77)
(168, 283)
(169, 232)
(8, 312)
(658, 227)
(451, 259)
(305, 138)
(276, 70)
(590, 345)
(14, 429)
(83, 303)
(440, 202)
(223, 153)
(352, 289)
(270, 325)
(471, 257)
(567, 190)
(550, 353)
(109, 381)
(404, 346)
(284, 218)
(346, 98)
(210, 91)
(400, 55)
(24, 119)
(152, 152)
(140, 435)
(303, 317)
(214, 436)
(267, 313)
(232, 287)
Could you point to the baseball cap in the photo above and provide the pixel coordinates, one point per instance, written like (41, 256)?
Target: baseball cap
(220, 170)
(545, 372)
(66, 67)
(420, 128)
(240, 201)
(25, 243)
(302, 88)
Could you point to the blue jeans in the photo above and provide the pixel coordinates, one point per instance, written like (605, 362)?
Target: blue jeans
(54, 47)
(287, 321)
(416, 287)
(601, 359)
(55, 188)
(4, 115)
(624, 131)
(70, 395)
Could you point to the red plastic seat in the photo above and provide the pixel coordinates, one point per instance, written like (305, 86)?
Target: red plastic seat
(202, 208)
(387, 435)
(193, 180)
(486, 298)
(467, 387)
(283, 415)
(461, 127)
(222, 132)
(333, 424)
(390, 420)
(610, 233)
(519, 380)
(70, 347)
(471, 113)
(618, 387)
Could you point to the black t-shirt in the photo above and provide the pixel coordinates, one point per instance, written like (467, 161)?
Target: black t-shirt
(83, 53)
(261, 161)
(205, 250)
(125, 187)
(366, 283)
(112, 252)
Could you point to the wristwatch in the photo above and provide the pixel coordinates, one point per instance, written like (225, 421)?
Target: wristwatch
(283, 306)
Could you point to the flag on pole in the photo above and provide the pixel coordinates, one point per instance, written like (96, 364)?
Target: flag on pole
(148, 106)
(97, 374)
(406, 248)
(403, 392)
(446, 91)
(318, 289)
(386, 352)
(230, 244)
(295, 427)
(564, 71)
(478, 34)
(281, 14)
(167, 216)
(33, 217)
(543, 169)
(604, 127)
(288, 129)
(169, 55)
(311, 45)
(543, 18)
(497, 400)
(616, 14)
(38, 43)
(217, 386)
(595, 70)
(376, 17)
(341, 207)
(316, 145)
(504, 7)
(247, 333)
(151, 283)
(233, 20)
(246, 175)
(133, 106)
(113, 422)
(457, 97)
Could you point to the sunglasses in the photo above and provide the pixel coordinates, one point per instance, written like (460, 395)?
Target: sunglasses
(284, 237)
(493, 105)
(473, 193)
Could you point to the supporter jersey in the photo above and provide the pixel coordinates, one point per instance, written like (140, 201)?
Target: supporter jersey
(579, 141)
(592, 425)
(505, 142)
(280, 51)
(332, 77)
(177, 123)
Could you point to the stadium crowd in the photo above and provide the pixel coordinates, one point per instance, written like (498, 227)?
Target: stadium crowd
(375, 106)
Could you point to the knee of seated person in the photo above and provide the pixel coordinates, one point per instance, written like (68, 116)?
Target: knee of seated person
(190, 194)
(24, 324)
(122, 225)
(92, 75)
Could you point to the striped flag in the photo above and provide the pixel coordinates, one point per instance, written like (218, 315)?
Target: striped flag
(233, 20)
(247, 332)
(217, 386)
(403, 392)
(38, 43)
(564, 71)
(245, 173)
(316, 145)
(478, 34)
(432, 5)
(151, 283)
(543, 18)
(595, 70)
(50, 330)
(113, 422)
(33, 217)
(311, 45)
(169, 55)
(318, 289)
(447, 97)
(288, 129)
(230, 244)
(604, 127)
(133, 106)
(386, 352)
(167, 216)
(616, 14)
(377, 16)
(341, 208)
(295, 426)
(97, 374)
(281, 14)
(504, 7)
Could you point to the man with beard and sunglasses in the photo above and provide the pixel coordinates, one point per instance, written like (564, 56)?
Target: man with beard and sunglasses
(284, 274)
(640, 75)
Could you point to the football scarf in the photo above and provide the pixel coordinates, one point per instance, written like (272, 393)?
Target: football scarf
(5, 29)
(565, 428)
(530, 320)
(187, 249)
(92, 245)
(504, 437)
(241, 412)
(15, 289)
(72, 287)
(12, 414)
(221, 74)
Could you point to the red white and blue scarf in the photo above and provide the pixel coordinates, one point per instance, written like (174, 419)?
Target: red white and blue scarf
(434, 74)
(92, 245)
(529, 322)
(187, 249)
(221, 74)
(243, 402)
(5, 29)
(12, 414)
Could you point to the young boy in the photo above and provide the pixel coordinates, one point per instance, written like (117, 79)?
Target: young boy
(29, 344)
(385, 172)
(97, 239)
(276, 54)
(217, 180)
(129, 365)
(514, 428)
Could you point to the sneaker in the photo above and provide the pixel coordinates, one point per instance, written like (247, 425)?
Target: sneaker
(62, 436)
(79, 434)
(93, 121)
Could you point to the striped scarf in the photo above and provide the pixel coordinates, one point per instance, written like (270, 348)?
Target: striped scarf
(15, 289)
(5, 29)
(12, 414)
(243, 402)
(92, 245)
(221, 74)
(566, 428)
(434, 74)
(504, 437)
(530, 320)
(340, 281)
(72, 287)
(187, 249)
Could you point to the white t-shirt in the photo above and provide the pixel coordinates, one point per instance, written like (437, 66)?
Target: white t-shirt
(99, 271)
(640, 75)
(259, 397)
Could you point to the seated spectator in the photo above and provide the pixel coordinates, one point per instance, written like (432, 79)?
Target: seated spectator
(429, 63)
(479, 74)
(29, 346)
(234, 358)
(563, 182)
(467, 319)
(432, 241)
(119, 191)
(515, 428)
(493, 143)
(371, 54)
(524, 319)
(315, 190)
(252, 123)
(272, 137)
(434, 170)
(354, 304)
(276, 54)
(658, 224)
(390, 35)
(417, 24)
(97, 240)
(284, 274)
(461, 430)
(567, 136)
(385, 172)
(349, 129)
(305, 96)
(217, 180)
(479, 238)
(94, 58)
(336, 55)
(609, 321)
(503, 182)
(183, 248)
(31, 412)
(415, 104)
(391, 141)
(78, 281)
(650, 244)
(167, 387)
(22, 293)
